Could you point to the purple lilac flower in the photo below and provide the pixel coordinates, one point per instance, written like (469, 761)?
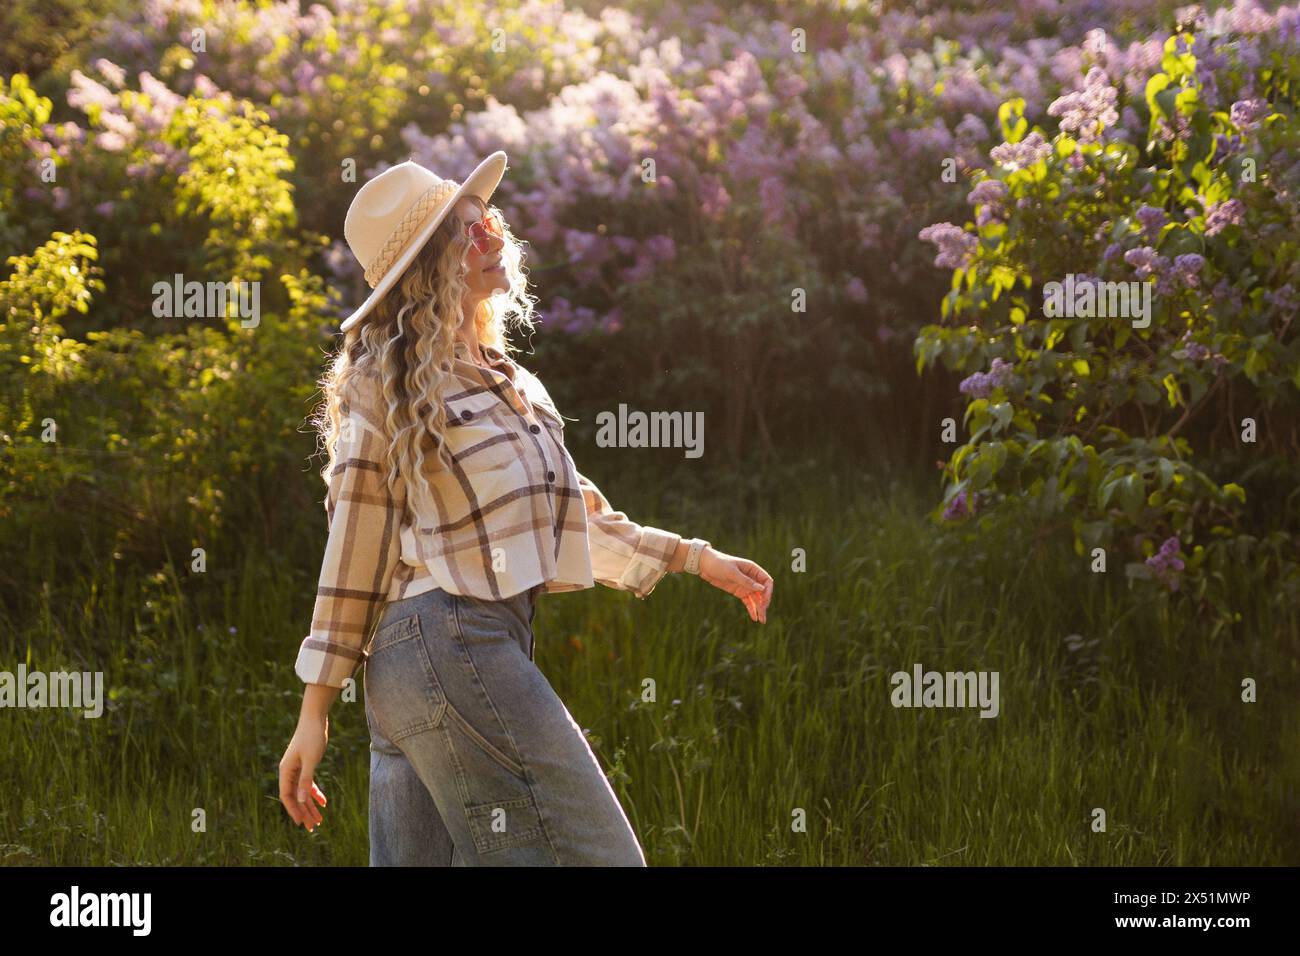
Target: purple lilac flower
(1191, 17)
(1221, 215)
(713, 197)
(1191, 350)
(1225, 147)
(987, 192)
(981, 384)
(1166, 562)
(959, 506)
(566, 318)
(1282, 299)
(1152, 219)
(1000, 372)
(1227, 298)
(86, 92)
(115, 75)
(111, 141)
(1089, 111)
(1181, 129)
(1095, 42)
(581, 246)
(971, 129)
(1113, 250)
(661, 248)
(934, 139)
(976, 385)
(1247, 113)
(1146, 262)
(856, 290)
(1029, 151)
(1249, 18)
(1186, 267)
(956, 245)
(1128, 119)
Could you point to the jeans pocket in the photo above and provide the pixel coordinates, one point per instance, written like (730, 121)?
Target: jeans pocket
(504, 824)
(403, 692)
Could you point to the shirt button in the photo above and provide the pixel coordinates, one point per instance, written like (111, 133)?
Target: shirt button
(465, 415)
(534, 428)
(550, 476)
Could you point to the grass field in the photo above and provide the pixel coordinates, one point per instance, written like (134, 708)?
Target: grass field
(754, 726)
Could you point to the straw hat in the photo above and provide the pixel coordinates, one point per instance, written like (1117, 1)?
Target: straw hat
(393, 216)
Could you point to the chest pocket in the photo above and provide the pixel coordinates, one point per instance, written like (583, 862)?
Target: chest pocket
(477, 434)
(551, 417)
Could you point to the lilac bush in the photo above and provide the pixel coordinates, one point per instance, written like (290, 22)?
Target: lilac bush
(1122, 426)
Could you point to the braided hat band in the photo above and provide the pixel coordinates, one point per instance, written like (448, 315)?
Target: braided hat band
(401, 235)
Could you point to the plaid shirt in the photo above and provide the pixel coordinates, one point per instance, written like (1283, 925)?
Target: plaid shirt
(512, 513)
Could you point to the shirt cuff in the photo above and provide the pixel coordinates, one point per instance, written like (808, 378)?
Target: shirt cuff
(324, 662)
(654, 552)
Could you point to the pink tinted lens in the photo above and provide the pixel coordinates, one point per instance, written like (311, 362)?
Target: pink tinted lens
(483, 230)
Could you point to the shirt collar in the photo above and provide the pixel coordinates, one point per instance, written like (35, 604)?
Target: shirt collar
(494, 356)
(497, 361)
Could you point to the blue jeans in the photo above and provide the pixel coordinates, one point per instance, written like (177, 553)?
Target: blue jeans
(474, 760)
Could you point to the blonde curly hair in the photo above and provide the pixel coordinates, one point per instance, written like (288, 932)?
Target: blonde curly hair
(398, 360)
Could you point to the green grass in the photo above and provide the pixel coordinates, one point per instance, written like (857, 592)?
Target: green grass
(753, 727)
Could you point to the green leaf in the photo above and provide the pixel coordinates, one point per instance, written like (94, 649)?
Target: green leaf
(978, 408)
(1171, 389)
(1132, 495)
(1256, 362)
(1147, 393)
(1107, 489)
(1154, 85)
(1012, 120)
(1167, 99)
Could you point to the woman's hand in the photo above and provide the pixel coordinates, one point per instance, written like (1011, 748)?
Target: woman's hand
(298, 767)
(741, 577)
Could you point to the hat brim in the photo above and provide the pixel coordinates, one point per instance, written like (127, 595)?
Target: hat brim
(482, 182)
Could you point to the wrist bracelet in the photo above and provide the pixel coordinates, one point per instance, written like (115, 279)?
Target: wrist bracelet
(692, 565)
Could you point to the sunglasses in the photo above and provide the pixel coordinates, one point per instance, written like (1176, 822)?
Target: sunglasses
(481, 232)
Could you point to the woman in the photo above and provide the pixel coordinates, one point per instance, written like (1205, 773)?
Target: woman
(452, 505)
